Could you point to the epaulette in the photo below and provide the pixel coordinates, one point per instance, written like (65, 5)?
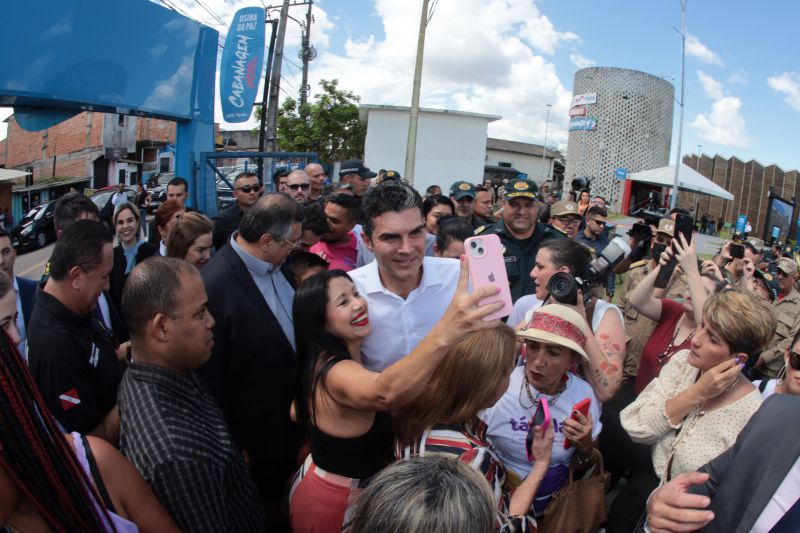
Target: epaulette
(637, 264)
(479, 230)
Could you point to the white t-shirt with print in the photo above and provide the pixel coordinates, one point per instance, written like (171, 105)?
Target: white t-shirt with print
(508, 419)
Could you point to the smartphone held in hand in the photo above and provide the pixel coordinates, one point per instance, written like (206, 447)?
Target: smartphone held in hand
(581, 407)
(541, 417)
(487, 268)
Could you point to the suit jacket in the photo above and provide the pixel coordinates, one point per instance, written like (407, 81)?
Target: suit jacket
(252, 372)
(27, 297)
(225, 223)
(118, 275)
(744, 478)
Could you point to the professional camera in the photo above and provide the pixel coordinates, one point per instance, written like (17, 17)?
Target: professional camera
(563, 287)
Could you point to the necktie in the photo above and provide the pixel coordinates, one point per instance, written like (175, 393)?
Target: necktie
(790, 523)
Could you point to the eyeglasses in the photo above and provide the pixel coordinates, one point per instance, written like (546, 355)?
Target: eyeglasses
(598, 222)
(296, 245)
(794, 360)
(249, 188)
(569, 221)
(296, 186)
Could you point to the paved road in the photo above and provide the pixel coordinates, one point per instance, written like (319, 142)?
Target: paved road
(31, 264)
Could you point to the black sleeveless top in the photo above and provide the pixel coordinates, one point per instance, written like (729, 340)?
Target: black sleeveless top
(358, 457)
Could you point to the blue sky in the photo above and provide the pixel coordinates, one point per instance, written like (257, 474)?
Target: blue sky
(746, 44)
(512, 57)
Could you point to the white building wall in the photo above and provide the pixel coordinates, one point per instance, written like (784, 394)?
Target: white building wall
(450, 146)
(527, 164)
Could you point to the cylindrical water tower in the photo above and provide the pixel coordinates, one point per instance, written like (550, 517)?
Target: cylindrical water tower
(619, 119)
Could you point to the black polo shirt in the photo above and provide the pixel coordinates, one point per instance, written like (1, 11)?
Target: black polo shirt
(73, 362)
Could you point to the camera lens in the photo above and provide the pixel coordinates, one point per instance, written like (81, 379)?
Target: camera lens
(473, 244)
(563, 288)
(480, 250)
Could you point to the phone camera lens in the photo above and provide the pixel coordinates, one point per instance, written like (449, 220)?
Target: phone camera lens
(480, 250)
(473, 244)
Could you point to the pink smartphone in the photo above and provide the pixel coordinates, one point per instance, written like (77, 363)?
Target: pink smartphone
(540, 418)
(488, 268)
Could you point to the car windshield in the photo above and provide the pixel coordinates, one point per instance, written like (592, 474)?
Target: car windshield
(35, 213)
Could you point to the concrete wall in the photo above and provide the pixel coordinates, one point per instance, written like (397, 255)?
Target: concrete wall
(525, 163)
(450, 146)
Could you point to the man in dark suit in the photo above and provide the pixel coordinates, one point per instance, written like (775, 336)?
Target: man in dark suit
(252, 370)
(750, 487)
(246, 192)
(26, 288)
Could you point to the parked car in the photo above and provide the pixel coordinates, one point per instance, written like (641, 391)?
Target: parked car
(35, 229)
(102, 199)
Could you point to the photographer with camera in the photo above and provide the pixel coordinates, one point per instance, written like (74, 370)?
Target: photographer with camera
(605, 348)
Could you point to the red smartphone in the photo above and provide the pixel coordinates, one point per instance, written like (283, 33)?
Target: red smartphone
(540, 418)
(488, 268)
(583, 408)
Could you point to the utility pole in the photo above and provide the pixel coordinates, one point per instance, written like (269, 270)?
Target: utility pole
(275, 80)
(673, 198)
(544, 146)
(411, 145)
(307, 54)
(263, 122)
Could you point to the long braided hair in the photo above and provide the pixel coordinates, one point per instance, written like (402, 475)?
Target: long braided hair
(37, 456)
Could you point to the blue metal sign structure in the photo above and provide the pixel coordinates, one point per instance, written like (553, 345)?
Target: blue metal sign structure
(582, 123)
(241, 64)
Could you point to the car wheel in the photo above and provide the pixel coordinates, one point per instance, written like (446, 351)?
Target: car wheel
(41, 239)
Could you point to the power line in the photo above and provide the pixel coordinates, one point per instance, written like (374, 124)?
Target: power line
(213, 14)
(432, 9)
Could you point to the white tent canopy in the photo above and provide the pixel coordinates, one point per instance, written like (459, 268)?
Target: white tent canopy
(688, 180)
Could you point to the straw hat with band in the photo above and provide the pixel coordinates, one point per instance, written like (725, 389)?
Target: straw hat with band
(557, 324)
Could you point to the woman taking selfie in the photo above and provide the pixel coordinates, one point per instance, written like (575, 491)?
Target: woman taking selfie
(554, 343)
(696, 407)
(605, 346)
(344, 406)
(130, 251)
(443, 420)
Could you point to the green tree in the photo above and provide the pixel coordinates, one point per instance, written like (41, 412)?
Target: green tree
(329, 126)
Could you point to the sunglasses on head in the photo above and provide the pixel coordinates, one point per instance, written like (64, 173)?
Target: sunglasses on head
(296, 186)
(249, 188)
(794, 360)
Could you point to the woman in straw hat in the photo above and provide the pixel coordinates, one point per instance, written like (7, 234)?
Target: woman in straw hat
(553, 346)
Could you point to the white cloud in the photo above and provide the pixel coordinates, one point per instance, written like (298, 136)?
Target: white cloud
(723, 125)
(712, 87)
(479, 56)
(738, 76)
(581, 62)
(700, 51)
(787, 84)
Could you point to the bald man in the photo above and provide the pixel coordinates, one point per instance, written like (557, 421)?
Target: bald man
(316, 175)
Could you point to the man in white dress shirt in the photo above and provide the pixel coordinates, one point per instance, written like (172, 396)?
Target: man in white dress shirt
(406, 291)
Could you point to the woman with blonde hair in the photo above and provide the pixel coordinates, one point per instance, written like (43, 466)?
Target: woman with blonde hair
(191, 239)
(694, 410)
(444, 420)
(130, 251)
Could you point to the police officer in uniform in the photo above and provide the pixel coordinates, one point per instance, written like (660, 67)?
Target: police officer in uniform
(787, 312)
(565, 219)
(520, 233)
(638, 327)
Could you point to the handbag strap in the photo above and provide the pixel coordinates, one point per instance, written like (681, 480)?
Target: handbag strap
(98, 479)
(598, 466)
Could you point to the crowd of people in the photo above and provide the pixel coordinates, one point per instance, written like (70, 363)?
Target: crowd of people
(313, 359)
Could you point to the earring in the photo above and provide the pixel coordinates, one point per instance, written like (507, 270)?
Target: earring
(781, 374)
